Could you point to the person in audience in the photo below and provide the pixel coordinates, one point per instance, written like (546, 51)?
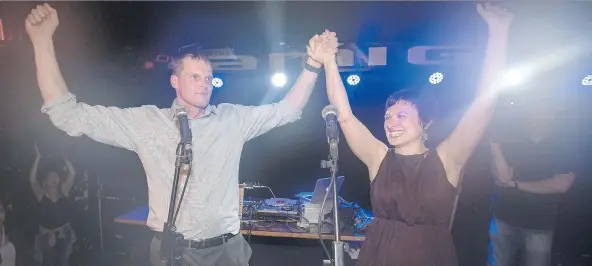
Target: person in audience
(532, 173)
(7, 251)
(54, 241)
(413, 188)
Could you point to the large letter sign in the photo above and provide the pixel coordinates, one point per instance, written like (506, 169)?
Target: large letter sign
(438, 55)
(348, 59)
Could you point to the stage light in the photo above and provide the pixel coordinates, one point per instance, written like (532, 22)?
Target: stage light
(353, 80)
(279, 80)
(436, 78)
(509, 103)
(217, 82)
(587, 80)
(515, 77)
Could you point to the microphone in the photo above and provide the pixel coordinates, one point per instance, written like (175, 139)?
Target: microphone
(181, 115)
(329, 114)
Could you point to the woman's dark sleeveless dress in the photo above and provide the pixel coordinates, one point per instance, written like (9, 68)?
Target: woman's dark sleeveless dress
(412, 202)
(55, 214)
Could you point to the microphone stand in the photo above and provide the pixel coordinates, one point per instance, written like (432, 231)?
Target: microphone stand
(338, 245)
(169, 250)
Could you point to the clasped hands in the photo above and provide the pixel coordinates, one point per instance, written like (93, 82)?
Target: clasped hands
(322, 48)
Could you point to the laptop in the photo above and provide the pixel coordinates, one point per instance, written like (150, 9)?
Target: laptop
(322, 187)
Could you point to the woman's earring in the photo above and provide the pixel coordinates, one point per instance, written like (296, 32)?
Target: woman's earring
(424, 136)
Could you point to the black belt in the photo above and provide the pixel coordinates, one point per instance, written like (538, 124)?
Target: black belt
(201, 244)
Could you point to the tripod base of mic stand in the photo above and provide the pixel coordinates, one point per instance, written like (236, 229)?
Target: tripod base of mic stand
(338, 255)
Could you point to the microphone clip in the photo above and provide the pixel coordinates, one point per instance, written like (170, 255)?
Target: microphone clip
(328, 164)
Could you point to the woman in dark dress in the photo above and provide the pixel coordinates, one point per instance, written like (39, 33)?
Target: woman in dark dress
(413, 188)
(53, 243)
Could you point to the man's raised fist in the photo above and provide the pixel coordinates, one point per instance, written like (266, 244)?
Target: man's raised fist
(41, 23)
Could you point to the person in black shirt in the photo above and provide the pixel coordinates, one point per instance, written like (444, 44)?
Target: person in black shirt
(531, 175)
(53, 243)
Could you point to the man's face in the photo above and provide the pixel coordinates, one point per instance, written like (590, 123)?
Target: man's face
(193, 83)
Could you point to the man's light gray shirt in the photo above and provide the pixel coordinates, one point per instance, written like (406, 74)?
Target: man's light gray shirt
(211, 203)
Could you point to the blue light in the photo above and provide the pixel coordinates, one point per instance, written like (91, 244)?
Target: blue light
(353, 80)
(587, 80)
(217, 82)
(436, 78)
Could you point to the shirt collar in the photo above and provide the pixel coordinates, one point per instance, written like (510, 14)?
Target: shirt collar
(211, 109)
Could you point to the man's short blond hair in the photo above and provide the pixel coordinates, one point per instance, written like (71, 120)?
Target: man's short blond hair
(176, 64)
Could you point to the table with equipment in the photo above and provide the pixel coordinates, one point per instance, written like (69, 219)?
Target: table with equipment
(275, 223)
(139, 215)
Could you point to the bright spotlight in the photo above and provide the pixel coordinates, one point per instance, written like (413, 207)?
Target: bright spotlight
(515, 77)
(279, 79)
(436, 78)
(217, 82)
(587, 80)
(353, 80)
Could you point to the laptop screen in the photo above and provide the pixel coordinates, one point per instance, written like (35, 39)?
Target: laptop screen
(322, 187)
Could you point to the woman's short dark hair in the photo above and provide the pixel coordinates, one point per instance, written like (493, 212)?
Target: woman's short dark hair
(53, 166)
(425, 104)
